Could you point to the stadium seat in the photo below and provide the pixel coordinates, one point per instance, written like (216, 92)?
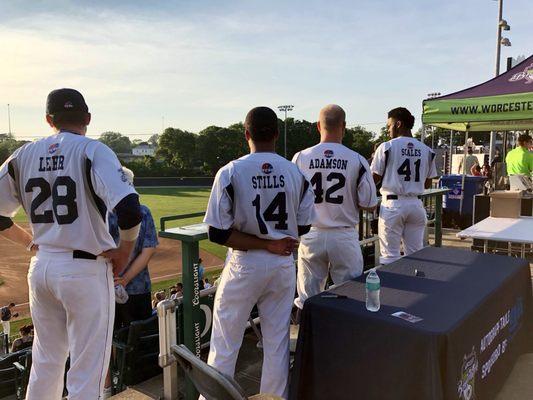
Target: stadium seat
(8, 373)
(22, 374)
(208, 381)
(136, 351)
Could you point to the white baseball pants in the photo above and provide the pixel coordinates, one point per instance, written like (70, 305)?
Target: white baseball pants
(72, 306)
(251, 278)
(6, 327)
(322, 251)
(401, 221)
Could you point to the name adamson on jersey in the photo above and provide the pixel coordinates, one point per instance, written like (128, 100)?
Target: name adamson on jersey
(332, 163)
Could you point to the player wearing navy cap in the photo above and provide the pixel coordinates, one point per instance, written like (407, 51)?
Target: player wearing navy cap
(259, 205)
(404, 166)
(66, 183)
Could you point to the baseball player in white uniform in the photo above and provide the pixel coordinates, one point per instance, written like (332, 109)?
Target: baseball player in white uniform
(405, 166)
(259, 205)
(66, 183)
(342, 185)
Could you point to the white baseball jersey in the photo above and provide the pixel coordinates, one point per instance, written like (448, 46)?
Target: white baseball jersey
(261, 194)
(66, 183)
(341, 181)
(404, 163)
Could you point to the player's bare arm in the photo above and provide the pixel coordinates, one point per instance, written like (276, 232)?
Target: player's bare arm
(136, 266)
(16, 233)
(129, 222)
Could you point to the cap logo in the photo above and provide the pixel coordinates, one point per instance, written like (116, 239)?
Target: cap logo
(68, 104)
(328, 153)
(267, 168)
(53, 148)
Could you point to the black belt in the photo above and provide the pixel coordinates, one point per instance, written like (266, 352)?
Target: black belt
(395, 197)
(83, 255)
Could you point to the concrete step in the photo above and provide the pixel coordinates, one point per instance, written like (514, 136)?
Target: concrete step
(131, 394)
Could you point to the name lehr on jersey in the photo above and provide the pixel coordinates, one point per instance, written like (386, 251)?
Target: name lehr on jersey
(325, 163)
(268, 182)
(54, 163)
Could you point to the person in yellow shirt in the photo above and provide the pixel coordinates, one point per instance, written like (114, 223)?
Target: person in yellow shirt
(520, 160)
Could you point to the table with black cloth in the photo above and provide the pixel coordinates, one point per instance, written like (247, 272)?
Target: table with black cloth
(477, 319)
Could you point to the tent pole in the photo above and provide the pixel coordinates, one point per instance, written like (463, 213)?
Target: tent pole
(451, 151)
(492, 146)
(464, 175)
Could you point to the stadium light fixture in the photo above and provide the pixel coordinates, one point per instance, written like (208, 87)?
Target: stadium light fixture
(285, 108)
(502, 26)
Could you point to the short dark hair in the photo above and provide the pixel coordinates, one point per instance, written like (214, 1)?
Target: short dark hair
(404, 115)
(523, 139)
(179, 285)
(12, 304)
(262, 123)
(25, 329)
(69, 118)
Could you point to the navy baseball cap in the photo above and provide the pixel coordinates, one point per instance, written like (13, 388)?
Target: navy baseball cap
(65, 100)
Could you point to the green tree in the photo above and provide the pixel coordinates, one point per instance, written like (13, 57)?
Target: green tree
(8, 144)
(217, 146)
(177, 148)
(154, 140)
(360, 140)
(116, 142)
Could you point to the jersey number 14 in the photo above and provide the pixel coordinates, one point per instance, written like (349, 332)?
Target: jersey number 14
(275, 212)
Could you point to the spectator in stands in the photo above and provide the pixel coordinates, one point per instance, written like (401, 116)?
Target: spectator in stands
(25, 340)
(497, 158)
(158, 296)
(520, 160)
(468, 162)
(136, 278)
(475, 170)
(5, 315)
(485, 171)
(207, 285)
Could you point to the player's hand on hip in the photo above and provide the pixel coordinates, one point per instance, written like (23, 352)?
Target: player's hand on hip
(120, 256)
(282, 247)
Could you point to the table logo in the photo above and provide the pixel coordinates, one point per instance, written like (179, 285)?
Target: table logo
(267, 168)
(328, 153)
(466, 384)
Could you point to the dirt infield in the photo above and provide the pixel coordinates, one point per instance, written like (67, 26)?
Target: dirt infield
(14, 261)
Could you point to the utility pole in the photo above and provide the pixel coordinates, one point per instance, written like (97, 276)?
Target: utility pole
(285, 108)
(434, 129)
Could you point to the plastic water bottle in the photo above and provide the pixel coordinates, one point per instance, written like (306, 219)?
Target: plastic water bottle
(372, 291)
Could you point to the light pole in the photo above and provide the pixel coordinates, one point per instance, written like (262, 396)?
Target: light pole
(9, 118)
(432, 96)
(285, 108)
(502, 25)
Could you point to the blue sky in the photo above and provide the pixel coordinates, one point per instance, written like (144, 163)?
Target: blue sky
(200, 63)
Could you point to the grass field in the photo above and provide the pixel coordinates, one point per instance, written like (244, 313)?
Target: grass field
(172, 201)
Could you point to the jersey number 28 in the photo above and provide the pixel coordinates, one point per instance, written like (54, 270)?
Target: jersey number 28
(67, 199)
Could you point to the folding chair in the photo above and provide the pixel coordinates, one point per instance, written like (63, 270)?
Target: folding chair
(209, 382)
